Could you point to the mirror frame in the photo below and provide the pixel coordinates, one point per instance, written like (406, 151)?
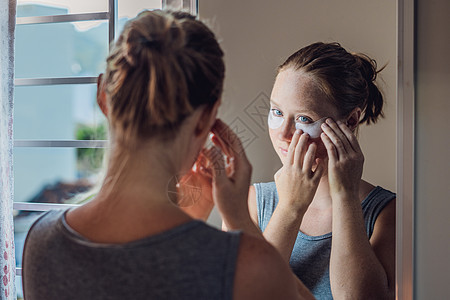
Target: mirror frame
(405, 151)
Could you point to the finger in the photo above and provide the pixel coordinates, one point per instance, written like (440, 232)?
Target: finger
(293, 146)
(229, 159)
(201, 159)
(215, 158)
(339, 141)
(229, 155)
(205, 172)
(353, 141)
(218, 142)
(331, 149)
(231, 143)
(201, 162)
(227, 136)
(202, 165)
(321, 163)
(308, 161)
(337, 130)
(300, 150)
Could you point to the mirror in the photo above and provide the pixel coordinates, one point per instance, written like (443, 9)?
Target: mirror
(258, 35)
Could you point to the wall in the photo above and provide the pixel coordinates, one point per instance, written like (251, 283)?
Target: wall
(432, 170)
(258, 35)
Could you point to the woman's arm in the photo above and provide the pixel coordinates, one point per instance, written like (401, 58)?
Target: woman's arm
(296, 185)
(230, 179)
(359, 268)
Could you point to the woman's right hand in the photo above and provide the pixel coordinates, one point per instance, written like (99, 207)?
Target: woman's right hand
(231, 178)
(194, 190)
(296, 181)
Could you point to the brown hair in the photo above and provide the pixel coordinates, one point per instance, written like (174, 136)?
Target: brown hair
(347, 79)
(163, 66)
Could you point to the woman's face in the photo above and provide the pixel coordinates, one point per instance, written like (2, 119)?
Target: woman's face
(297, 99)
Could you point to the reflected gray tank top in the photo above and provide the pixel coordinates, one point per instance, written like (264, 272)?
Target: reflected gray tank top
(191, 261)
(310, 259)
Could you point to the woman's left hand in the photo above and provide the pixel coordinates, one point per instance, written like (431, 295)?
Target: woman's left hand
(345, 164)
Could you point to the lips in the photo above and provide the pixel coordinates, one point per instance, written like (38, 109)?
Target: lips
(283, 151)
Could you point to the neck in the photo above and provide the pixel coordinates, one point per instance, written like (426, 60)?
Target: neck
(141, 176)
(322, 198)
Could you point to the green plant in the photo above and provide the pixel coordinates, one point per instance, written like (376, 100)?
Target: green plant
(89, 160)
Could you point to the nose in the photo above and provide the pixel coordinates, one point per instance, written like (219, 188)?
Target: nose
(286, 131)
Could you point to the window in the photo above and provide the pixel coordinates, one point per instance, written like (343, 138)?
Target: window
(59, 133)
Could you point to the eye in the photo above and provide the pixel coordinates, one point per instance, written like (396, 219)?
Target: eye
(276, 112)
(303, 119)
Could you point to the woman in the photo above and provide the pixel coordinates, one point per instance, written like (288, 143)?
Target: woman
(320, 96)
(160, 94)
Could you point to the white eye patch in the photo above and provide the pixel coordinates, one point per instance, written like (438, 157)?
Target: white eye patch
(312, 129)
(273, 121)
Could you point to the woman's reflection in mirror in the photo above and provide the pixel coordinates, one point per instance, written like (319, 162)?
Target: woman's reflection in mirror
(336, 230)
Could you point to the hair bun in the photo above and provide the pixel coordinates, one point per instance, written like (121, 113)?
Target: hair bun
(162, 67)
(368, 68)
(160, 34)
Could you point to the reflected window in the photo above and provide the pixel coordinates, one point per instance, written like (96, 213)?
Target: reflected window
(59, 132)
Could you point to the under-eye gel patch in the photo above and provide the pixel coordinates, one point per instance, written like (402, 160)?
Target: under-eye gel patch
(274, 121)
(312, 129)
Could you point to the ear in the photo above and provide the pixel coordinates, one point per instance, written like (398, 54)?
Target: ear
(207, 118)
(101, 95)
(353, 118)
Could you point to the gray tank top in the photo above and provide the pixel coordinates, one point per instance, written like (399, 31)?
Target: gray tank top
(310, 259)
(190, 261)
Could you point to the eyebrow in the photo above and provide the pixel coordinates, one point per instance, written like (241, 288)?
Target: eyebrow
(298, 112)
(271, 101)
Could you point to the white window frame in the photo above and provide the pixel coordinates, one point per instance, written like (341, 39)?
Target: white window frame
(112, 18)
